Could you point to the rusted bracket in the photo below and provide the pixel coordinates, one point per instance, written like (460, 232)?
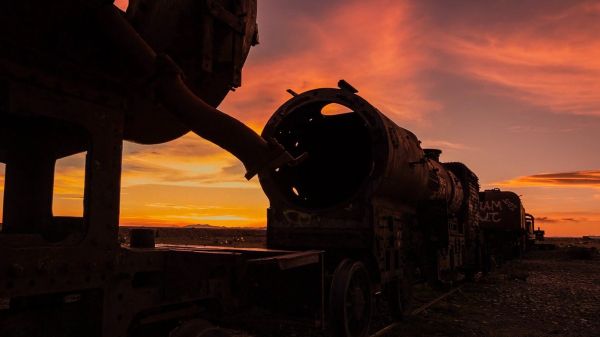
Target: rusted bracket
(237, 23)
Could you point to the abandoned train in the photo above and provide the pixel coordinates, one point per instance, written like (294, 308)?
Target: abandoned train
(386, 212)
(507, 229)
(357, 208)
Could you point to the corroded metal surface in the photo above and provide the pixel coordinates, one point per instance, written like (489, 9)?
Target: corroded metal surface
(368, 192)
(208, 39)
(508, 230)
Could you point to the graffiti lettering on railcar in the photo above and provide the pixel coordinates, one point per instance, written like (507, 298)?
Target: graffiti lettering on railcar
(490, 210)
(490, 217)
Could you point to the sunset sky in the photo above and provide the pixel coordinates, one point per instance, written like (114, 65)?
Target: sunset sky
(511, 88)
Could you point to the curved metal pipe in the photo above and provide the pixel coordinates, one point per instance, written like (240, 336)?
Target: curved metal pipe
(206, 121)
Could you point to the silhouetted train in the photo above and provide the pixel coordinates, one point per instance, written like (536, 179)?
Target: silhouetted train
(507, 229)
(386, 212)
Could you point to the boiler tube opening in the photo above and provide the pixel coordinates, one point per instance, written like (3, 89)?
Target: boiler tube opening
(338, 144)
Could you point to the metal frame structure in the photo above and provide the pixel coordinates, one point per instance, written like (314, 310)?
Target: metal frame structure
(69, 276)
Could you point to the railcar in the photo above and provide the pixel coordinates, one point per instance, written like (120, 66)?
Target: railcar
(508, 230)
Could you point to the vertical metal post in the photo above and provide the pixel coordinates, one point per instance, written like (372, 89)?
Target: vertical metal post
(29, 185)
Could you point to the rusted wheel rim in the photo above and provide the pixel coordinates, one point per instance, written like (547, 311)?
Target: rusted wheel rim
(351, 300)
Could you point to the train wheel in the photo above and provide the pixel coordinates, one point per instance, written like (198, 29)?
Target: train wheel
(198, 328)
(350, 300)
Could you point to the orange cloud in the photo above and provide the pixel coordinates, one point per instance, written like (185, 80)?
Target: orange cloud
(186, 181)
(180, 205)
(187, 161)
(153, 177)
(375, 50)
(569, 223)
(69, 186)
(564, 204)
(549, 57)
(587, 179)
(444, 145)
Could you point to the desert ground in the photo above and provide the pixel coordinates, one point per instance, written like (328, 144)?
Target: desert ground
(547, 292)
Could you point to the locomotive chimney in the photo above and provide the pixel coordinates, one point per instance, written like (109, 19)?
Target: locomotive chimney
(433, 154)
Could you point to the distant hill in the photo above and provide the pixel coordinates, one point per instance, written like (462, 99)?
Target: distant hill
(196, 226)
(201, 225)
(207, 226)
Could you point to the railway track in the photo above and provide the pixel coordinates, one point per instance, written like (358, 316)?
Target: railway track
(417, 311)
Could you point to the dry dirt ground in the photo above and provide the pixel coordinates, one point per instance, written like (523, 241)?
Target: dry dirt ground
(215, 236)
(545, 293)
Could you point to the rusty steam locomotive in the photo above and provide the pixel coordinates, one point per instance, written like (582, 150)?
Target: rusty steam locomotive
(385, 211)
(357, 207)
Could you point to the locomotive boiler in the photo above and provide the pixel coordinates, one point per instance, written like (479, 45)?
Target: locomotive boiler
(386, 212)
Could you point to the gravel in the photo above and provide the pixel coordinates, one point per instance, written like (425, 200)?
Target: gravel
(547, 293)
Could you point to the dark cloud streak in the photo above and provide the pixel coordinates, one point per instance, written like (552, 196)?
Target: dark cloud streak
(589, 178)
